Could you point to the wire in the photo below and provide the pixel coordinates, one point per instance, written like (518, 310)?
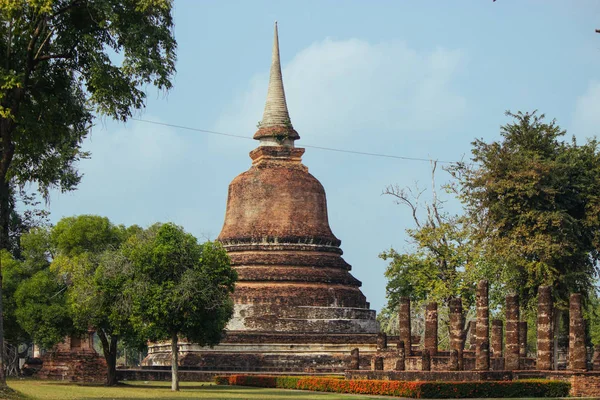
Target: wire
(304, 145)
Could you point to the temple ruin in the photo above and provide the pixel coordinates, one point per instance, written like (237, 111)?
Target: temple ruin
(297, 307)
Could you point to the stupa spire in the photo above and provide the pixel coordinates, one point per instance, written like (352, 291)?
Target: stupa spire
(276, 118)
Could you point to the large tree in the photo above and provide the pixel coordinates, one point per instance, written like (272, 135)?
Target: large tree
(441, 261)
(537, 197)
(87, 255)
(62, 62)
(179, 288)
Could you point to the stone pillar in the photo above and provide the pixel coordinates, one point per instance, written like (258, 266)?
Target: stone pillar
(472, 330)
(404, 324)
(545, 335)
(453, 362)
(431, 328)
(596, 358)
(482, 352)
(577, 353)
(354, 360)
(483, 356)
(400, 363)
(381, 341)
(511, 310)
(497, 336)
(377, 363)
(457, 337)
(425, 360)
(522, 339)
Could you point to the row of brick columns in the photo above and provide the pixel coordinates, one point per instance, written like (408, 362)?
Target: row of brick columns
(515, 333)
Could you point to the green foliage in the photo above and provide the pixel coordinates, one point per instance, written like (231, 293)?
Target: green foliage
(42, 308)
(500, 389)
(535, 198)
(88, 254)
(60, 64)
(12, 275)
(435, 269)
(179, 286)
(442, 262)
(79, 269)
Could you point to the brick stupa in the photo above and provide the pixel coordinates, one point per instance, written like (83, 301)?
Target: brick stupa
(297, 307)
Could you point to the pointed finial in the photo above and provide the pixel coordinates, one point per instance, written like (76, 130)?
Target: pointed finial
(276, 118)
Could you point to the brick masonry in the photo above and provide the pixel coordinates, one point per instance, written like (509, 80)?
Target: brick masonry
(74, 360)
(544, 329)
(512, 350)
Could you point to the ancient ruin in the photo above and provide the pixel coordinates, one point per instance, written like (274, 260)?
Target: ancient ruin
(74, 360)
(297, 307)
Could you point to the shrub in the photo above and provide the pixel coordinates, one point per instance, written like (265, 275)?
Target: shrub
(525, 388)
(221, 380)
(529, 388)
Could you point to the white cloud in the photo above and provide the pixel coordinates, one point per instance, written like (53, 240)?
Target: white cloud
(344, 88)
(586, 120)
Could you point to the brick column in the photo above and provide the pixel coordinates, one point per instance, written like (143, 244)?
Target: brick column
(377, 363)
(404, 324)
(472, 329)
(381, 341)
(453, 362)
(482, 350)
(400, 363)
(497, 336)
(457, 338)
(596, 358)
(511, 355)
(431, 328)
(522, 339)
(545, 335)
(354, 359)
(577, 353)
(425, 360)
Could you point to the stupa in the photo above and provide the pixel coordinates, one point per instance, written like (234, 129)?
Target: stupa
(297, 307)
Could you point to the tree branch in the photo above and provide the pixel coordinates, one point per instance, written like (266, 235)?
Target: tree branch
(36, 58)
(52, 57)
(68, 7)
(403, 198)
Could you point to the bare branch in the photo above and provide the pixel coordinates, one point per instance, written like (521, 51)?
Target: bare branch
(36, 58)
(402, 197)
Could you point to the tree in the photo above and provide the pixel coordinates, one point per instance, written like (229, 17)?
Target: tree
(440, 264)
(179, 288)
(15, 272)
(59, 65)
(537, 197)
(88, 256)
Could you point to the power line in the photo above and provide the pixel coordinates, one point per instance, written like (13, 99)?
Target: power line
(303, 145)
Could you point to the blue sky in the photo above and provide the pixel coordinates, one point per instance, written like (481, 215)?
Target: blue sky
(417, 79)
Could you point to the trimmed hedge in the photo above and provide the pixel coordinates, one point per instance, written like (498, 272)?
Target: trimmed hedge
(525, 388)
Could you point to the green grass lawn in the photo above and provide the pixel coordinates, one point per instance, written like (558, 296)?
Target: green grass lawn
(48, 390)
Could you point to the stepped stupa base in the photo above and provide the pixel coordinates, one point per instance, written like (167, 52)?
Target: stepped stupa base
(269, 352)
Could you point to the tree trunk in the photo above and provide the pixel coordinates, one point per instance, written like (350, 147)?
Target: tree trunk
(174, 364)
(555, 331)
(109, 349)
(2, 375)
(4, 214)
(111, 363)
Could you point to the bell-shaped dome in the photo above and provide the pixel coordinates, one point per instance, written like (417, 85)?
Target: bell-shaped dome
(277, 201)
